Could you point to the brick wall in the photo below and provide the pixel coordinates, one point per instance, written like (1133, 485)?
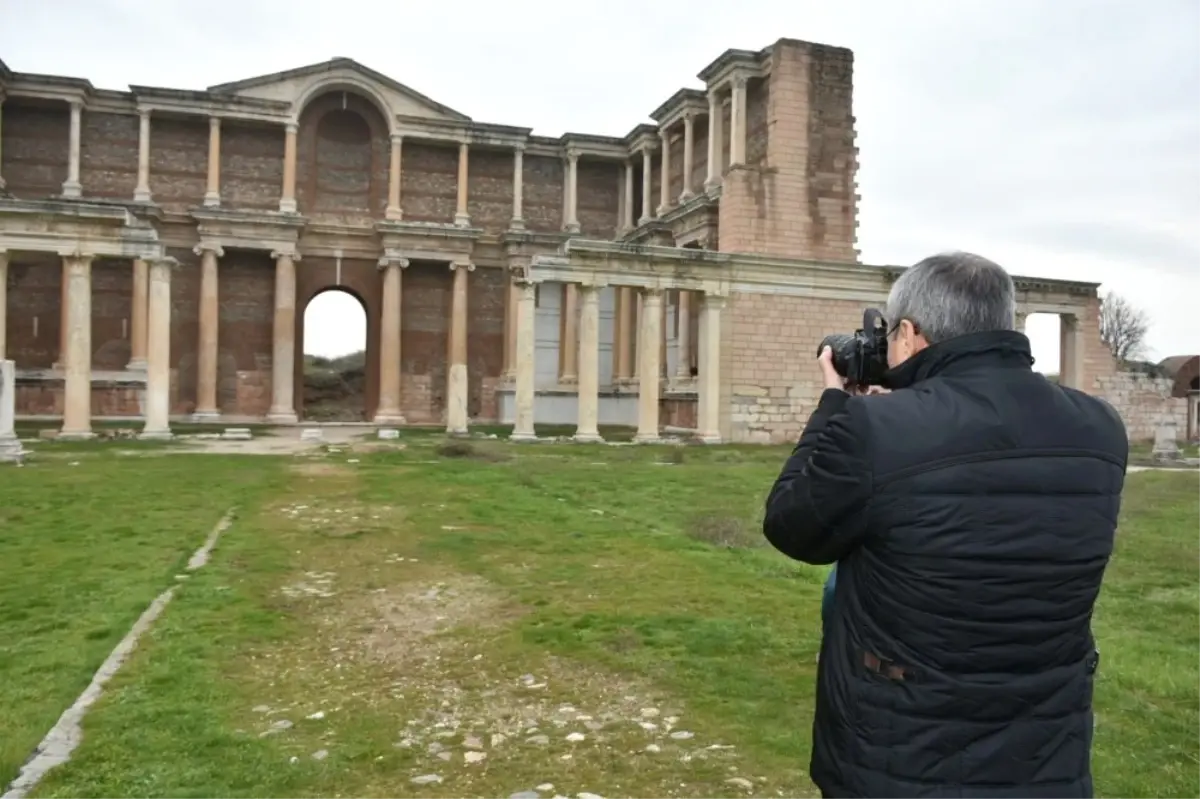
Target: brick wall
(343, 153)
(108, 151)
(770, 381)
(246, 295)
(1144, 403)
(178, 161)
(542, 193)
(796, 197)
(35, 145)
(251, 165)
(597, 197)
(34, 309)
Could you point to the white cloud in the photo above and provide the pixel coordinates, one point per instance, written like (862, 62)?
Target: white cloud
(1059, 138)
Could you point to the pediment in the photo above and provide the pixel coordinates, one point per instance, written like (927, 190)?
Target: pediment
(298, 86)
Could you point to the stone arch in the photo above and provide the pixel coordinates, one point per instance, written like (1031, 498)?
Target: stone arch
(343, 149)
(362, 383)
(1185, 371)
(350, 84)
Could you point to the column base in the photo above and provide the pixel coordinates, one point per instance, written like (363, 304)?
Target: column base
(389, 417)
(460, 433)
(142, 196)
(282, 417)
(587, 438)
(161, 434)
(573, 229)
(516, 223)
(643, 220)
(11, 450)
(212, 200)
(647, 438)
(136, 365)
(568, 381)
(72, 190)
(522, 437)
(206, 416)
(662, 210)
(393, 213)
(686, 195)
(462, 220)
(711, 186)
(287, 206)
(708, 438)
(75, 435)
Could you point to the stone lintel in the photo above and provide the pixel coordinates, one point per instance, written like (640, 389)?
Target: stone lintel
(679, 104)
(253, 230)
(71, 228)
(731, 63)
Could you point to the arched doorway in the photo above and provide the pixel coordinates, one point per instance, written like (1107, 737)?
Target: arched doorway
(336, 368)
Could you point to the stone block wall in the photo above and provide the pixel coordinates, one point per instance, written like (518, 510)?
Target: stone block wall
(796, 194)
(770, 382)
(1144, 403)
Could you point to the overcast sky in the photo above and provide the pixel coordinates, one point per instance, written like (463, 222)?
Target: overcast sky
(1060, 138)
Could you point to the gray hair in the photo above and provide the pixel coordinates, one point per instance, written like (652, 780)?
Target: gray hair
(953, 294)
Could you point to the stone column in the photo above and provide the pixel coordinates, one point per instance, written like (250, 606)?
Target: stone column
(3, 303)
(210, 315)
(212, 195)
(77, 356)
(647, 186)
(283, 346)
(627, 215)
(512, 297)
(158, 352)
(64, 326)
(716, 148)
(683, 338)
(393, 205)
(138, 300)
(523, 396)
(737, 123)
(588, 400)
(708, 416)
(568, 334)
(141, 194)
(10, 446)
(287, 201)
(1, 138)
(518, 220)
(621, 335)
(461, 217)
(689, 156)
(1019, 321)
(456, 370)
(649, 344)
(71, 186)
(664, 188)
(1071, 349)
(388, 410)
(662, 337)
(572, 187)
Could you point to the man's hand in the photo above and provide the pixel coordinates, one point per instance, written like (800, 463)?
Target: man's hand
(828, 374)
(833, 380)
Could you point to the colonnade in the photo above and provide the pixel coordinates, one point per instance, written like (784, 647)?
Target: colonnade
(153, 307)
(718, 151)
(649, 360)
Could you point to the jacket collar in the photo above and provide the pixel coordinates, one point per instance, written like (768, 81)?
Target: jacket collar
(992, 349)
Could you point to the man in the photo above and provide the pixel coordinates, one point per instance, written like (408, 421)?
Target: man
(971, 512)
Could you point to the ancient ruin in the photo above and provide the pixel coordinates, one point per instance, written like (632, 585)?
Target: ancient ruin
(158, 248)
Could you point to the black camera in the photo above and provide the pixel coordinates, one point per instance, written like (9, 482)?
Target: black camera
(862, 357)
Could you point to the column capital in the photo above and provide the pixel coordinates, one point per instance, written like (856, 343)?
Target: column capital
(76, 258)
(664, 133)
(77, 105)
(689, 116)
(166, 265)
(397, 138)
(144, 113)
(590, 290)
(288, 253)
(738, 82)
(392, 258)
(654, 293)
(3, 257)
(519, 148)
(470, 267)
(209, 246)
(715, 301)
(572, 154)
(292, 127)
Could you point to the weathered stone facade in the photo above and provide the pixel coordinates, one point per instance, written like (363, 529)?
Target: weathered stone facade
(267, 192)
(1145, 403)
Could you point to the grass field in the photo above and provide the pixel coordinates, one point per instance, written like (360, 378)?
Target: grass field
(599, 619)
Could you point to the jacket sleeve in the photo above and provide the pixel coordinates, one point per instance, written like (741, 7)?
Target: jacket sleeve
(817, 509)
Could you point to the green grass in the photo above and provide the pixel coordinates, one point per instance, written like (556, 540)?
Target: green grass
(396, 589)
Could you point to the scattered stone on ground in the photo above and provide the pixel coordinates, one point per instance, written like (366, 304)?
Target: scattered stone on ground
(426, 779)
